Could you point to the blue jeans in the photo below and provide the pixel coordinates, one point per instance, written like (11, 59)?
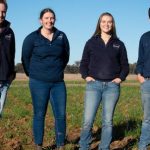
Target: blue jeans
(3, 93)
(98, 92)
(145, 130)
(41, 93)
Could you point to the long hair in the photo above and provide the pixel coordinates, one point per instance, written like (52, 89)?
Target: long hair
(98, 29)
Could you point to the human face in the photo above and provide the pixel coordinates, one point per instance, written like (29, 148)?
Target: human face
(106, 24)
(48, 21)
(2, 12)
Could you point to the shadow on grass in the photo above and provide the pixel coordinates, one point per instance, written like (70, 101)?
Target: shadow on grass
(118, 135)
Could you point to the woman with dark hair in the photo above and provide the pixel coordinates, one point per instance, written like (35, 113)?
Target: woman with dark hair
(45, 54)
(104, 66)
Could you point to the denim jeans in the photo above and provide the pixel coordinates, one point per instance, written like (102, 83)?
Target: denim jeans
(3, 93)
(98, 92)
(41, 93)
(145, 130)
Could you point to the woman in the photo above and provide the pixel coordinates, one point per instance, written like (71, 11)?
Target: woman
(45, 53)
(104, 65)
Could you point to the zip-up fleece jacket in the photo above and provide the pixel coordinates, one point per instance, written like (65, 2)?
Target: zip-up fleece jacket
(143, 63)
(104, 62)
(43, 59)
(7, 52)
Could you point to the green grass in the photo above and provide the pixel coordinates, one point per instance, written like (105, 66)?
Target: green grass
(17, 117)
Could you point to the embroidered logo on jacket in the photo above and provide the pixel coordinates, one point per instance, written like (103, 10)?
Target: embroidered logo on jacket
(60, 37)
(8, 37)
(116, 46)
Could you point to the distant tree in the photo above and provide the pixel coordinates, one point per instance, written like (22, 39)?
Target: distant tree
(73, 68)
(77, 63)
(19, 68)
(132, 68)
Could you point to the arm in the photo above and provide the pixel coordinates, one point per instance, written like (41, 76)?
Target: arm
(124, 63)
(13, 51)
(27, 49)
(12, 58)
(85, 62)
(67, 51)
(140, 62)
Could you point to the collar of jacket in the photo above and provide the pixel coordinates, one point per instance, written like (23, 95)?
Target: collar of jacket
(112, 37)
(56, 32)
(4, 26)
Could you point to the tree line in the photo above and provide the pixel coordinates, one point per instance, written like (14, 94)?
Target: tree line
(72, 68)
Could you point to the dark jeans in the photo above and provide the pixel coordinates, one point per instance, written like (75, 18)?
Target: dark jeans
(41, 93)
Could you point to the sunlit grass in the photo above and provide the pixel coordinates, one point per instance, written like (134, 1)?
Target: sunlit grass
(17, 117)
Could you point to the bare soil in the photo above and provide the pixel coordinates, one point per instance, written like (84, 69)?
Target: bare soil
(22, 76)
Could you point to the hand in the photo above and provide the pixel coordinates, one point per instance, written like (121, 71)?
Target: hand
(140, 78)
(117, 80)
(88, 79)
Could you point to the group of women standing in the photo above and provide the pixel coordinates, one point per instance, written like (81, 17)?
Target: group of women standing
(104, 65)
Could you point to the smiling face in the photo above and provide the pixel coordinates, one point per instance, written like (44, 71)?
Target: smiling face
(2, 12)
(106, 24)
(48, 20)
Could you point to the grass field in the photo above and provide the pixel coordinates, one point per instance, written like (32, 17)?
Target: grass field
(16, 124)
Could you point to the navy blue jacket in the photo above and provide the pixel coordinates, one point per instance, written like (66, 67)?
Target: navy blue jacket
(43, 59)
(104, 62)
(7, 53)
(143, 63)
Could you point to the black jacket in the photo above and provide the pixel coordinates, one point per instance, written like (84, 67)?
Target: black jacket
(7, 52)
(104, 62)
(43, 59)
(143, 63)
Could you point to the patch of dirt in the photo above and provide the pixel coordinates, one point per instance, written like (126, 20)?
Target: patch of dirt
(22, 76)
(13, 144)
(122, 144)
(74, 135)
(72, 138)
(68, 77)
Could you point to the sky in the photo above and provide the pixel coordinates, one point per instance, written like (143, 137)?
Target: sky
(78, 19)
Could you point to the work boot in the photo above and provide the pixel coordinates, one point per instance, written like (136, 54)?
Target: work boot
(38, 147)
(60, 148)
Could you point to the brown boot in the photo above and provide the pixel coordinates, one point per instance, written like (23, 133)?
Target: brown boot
(60, 148)
(38, 147)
